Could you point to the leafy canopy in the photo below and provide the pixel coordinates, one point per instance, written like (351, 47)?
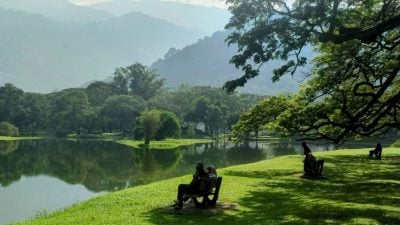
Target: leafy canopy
(353, 88)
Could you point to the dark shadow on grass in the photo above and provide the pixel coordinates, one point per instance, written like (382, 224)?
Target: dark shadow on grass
(261, 174)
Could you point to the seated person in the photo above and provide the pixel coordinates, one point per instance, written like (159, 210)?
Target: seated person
(212, 172)
(377, 151)
(306, 149)
(309, 164)
(198, 184)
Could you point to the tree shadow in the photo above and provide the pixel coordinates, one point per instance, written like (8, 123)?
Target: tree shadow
(351, 193)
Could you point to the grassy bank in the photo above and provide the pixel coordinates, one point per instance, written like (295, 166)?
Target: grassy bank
(4, 138)
(356, 190)
(165, 144)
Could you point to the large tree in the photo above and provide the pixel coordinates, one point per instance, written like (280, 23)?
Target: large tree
(139, 80)
(354, 86)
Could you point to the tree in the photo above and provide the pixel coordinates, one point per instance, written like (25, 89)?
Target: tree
(7, 129)
(35, 111)
(262, 114)
(137, 79)
(99, 91)
(11, 99)
(169, 126)
(149, 121)
(216, 118)
(120, 112)
(354, 85)
(68, 110)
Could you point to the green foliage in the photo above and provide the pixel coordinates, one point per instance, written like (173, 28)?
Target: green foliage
(120, 112)
(98, 109)
(149, 122)
(158, 125)
(7, 129)
(138, 80)
(169, 126)
(396, 144)
(262, 116)
(98, 92)
(353, 88)
(68, 110)
(211, 107)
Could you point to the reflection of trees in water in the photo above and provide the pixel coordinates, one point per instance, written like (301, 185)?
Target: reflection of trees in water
(244, 153)
(7, 147)
(73, 162)
(98, 165)
(221, 154)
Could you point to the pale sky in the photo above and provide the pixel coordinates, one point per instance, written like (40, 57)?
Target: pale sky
(211, 3)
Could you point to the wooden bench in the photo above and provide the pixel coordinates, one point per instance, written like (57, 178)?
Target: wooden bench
(203, 199)
(377, 154)
(316, 171)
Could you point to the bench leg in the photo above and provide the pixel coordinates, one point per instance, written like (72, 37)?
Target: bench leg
(200, 202)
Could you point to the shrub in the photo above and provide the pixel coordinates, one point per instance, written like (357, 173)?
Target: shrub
(396, 144)
(7, 129)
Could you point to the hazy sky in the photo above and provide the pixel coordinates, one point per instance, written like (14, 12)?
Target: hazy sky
(214, 3)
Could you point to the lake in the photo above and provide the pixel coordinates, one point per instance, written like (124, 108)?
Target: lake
(41, 176)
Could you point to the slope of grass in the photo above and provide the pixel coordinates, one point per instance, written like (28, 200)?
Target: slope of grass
(165, 144)
(355, 190)
(6, 138)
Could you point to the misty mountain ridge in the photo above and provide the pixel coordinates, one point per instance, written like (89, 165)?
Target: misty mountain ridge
(58, 10)
(39, 54)
(207, 63)
(207, 19)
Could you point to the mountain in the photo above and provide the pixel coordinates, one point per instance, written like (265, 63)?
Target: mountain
(207, 63)
(39, 54)
(207, 19)
(59, 10)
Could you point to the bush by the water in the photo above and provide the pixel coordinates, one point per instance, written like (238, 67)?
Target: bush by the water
(396, 144)
(7, 129)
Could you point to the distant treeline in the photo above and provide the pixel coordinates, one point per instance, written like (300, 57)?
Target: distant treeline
(116, 106)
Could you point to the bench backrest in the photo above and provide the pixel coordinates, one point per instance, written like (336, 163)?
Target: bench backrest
(215, 183)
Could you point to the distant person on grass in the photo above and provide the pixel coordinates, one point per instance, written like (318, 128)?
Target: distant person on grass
(198, 183)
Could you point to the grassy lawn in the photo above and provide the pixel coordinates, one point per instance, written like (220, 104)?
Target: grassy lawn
(356, 190)
(165, 144)
(4, 138)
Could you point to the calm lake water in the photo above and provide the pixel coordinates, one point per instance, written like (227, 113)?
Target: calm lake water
(40, 176)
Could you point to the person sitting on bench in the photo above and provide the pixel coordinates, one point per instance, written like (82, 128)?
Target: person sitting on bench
(198, 184)
(377, 152)
(306, 149)
(309, 164)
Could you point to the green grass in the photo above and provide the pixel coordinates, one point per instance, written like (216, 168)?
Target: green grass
(356, 190)
(165, 144)
(4, 138)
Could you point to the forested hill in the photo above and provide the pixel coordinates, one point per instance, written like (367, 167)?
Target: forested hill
(207, 63)
(39, 54)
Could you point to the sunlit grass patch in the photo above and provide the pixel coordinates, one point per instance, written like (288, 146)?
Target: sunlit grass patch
(5, 138)
(165, 144)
